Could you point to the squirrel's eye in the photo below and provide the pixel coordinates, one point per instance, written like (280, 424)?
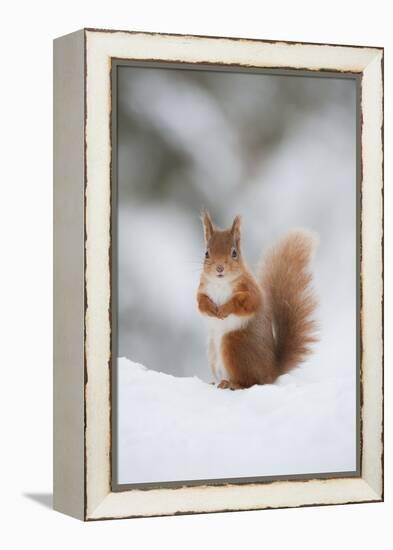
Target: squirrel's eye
(234, 253)
(207, 254)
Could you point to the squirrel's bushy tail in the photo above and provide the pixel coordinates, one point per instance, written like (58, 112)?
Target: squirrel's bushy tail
(286, 278)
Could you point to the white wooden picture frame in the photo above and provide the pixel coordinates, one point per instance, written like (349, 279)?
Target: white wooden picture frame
(82, 257)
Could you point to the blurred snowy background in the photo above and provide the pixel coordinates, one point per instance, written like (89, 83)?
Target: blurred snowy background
(280, 151)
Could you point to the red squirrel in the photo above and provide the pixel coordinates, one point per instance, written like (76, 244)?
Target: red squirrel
(259, 326)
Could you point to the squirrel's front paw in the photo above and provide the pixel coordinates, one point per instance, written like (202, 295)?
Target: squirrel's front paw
(212, 311)
(221, 313)
(206, 305)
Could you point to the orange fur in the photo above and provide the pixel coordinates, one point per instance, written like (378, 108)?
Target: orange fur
(206, 305)
(265, 326)
(286, 276)
(246, 298)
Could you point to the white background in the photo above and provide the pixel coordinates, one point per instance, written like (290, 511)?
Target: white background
(26, 202)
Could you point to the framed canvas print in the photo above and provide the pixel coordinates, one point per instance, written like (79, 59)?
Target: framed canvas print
(218, 341)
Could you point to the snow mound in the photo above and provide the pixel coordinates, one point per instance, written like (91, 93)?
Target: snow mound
(173, 429)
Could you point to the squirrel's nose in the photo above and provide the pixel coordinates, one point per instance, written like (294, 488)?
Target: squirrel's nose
(220, 268)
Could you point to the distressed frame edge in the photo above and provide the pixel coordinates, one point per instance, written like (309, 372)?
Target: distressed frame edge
(372, 270)
(235, 38)
(374, 494)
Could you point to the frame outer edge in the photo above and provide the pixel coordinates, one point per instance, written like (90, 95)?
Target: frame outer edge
(372, 274)
(68, 294)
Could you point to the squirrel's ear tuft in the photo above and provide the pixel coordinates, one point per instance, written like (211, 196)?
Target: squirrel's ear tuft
(207, 224)
(235, 229)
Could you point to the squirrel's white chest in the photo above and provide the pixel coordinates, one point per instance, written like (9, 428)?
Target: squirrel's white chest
(220, 292)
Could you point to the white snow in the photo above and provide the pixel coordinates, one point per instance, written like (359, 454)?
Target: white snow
(173, 429)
